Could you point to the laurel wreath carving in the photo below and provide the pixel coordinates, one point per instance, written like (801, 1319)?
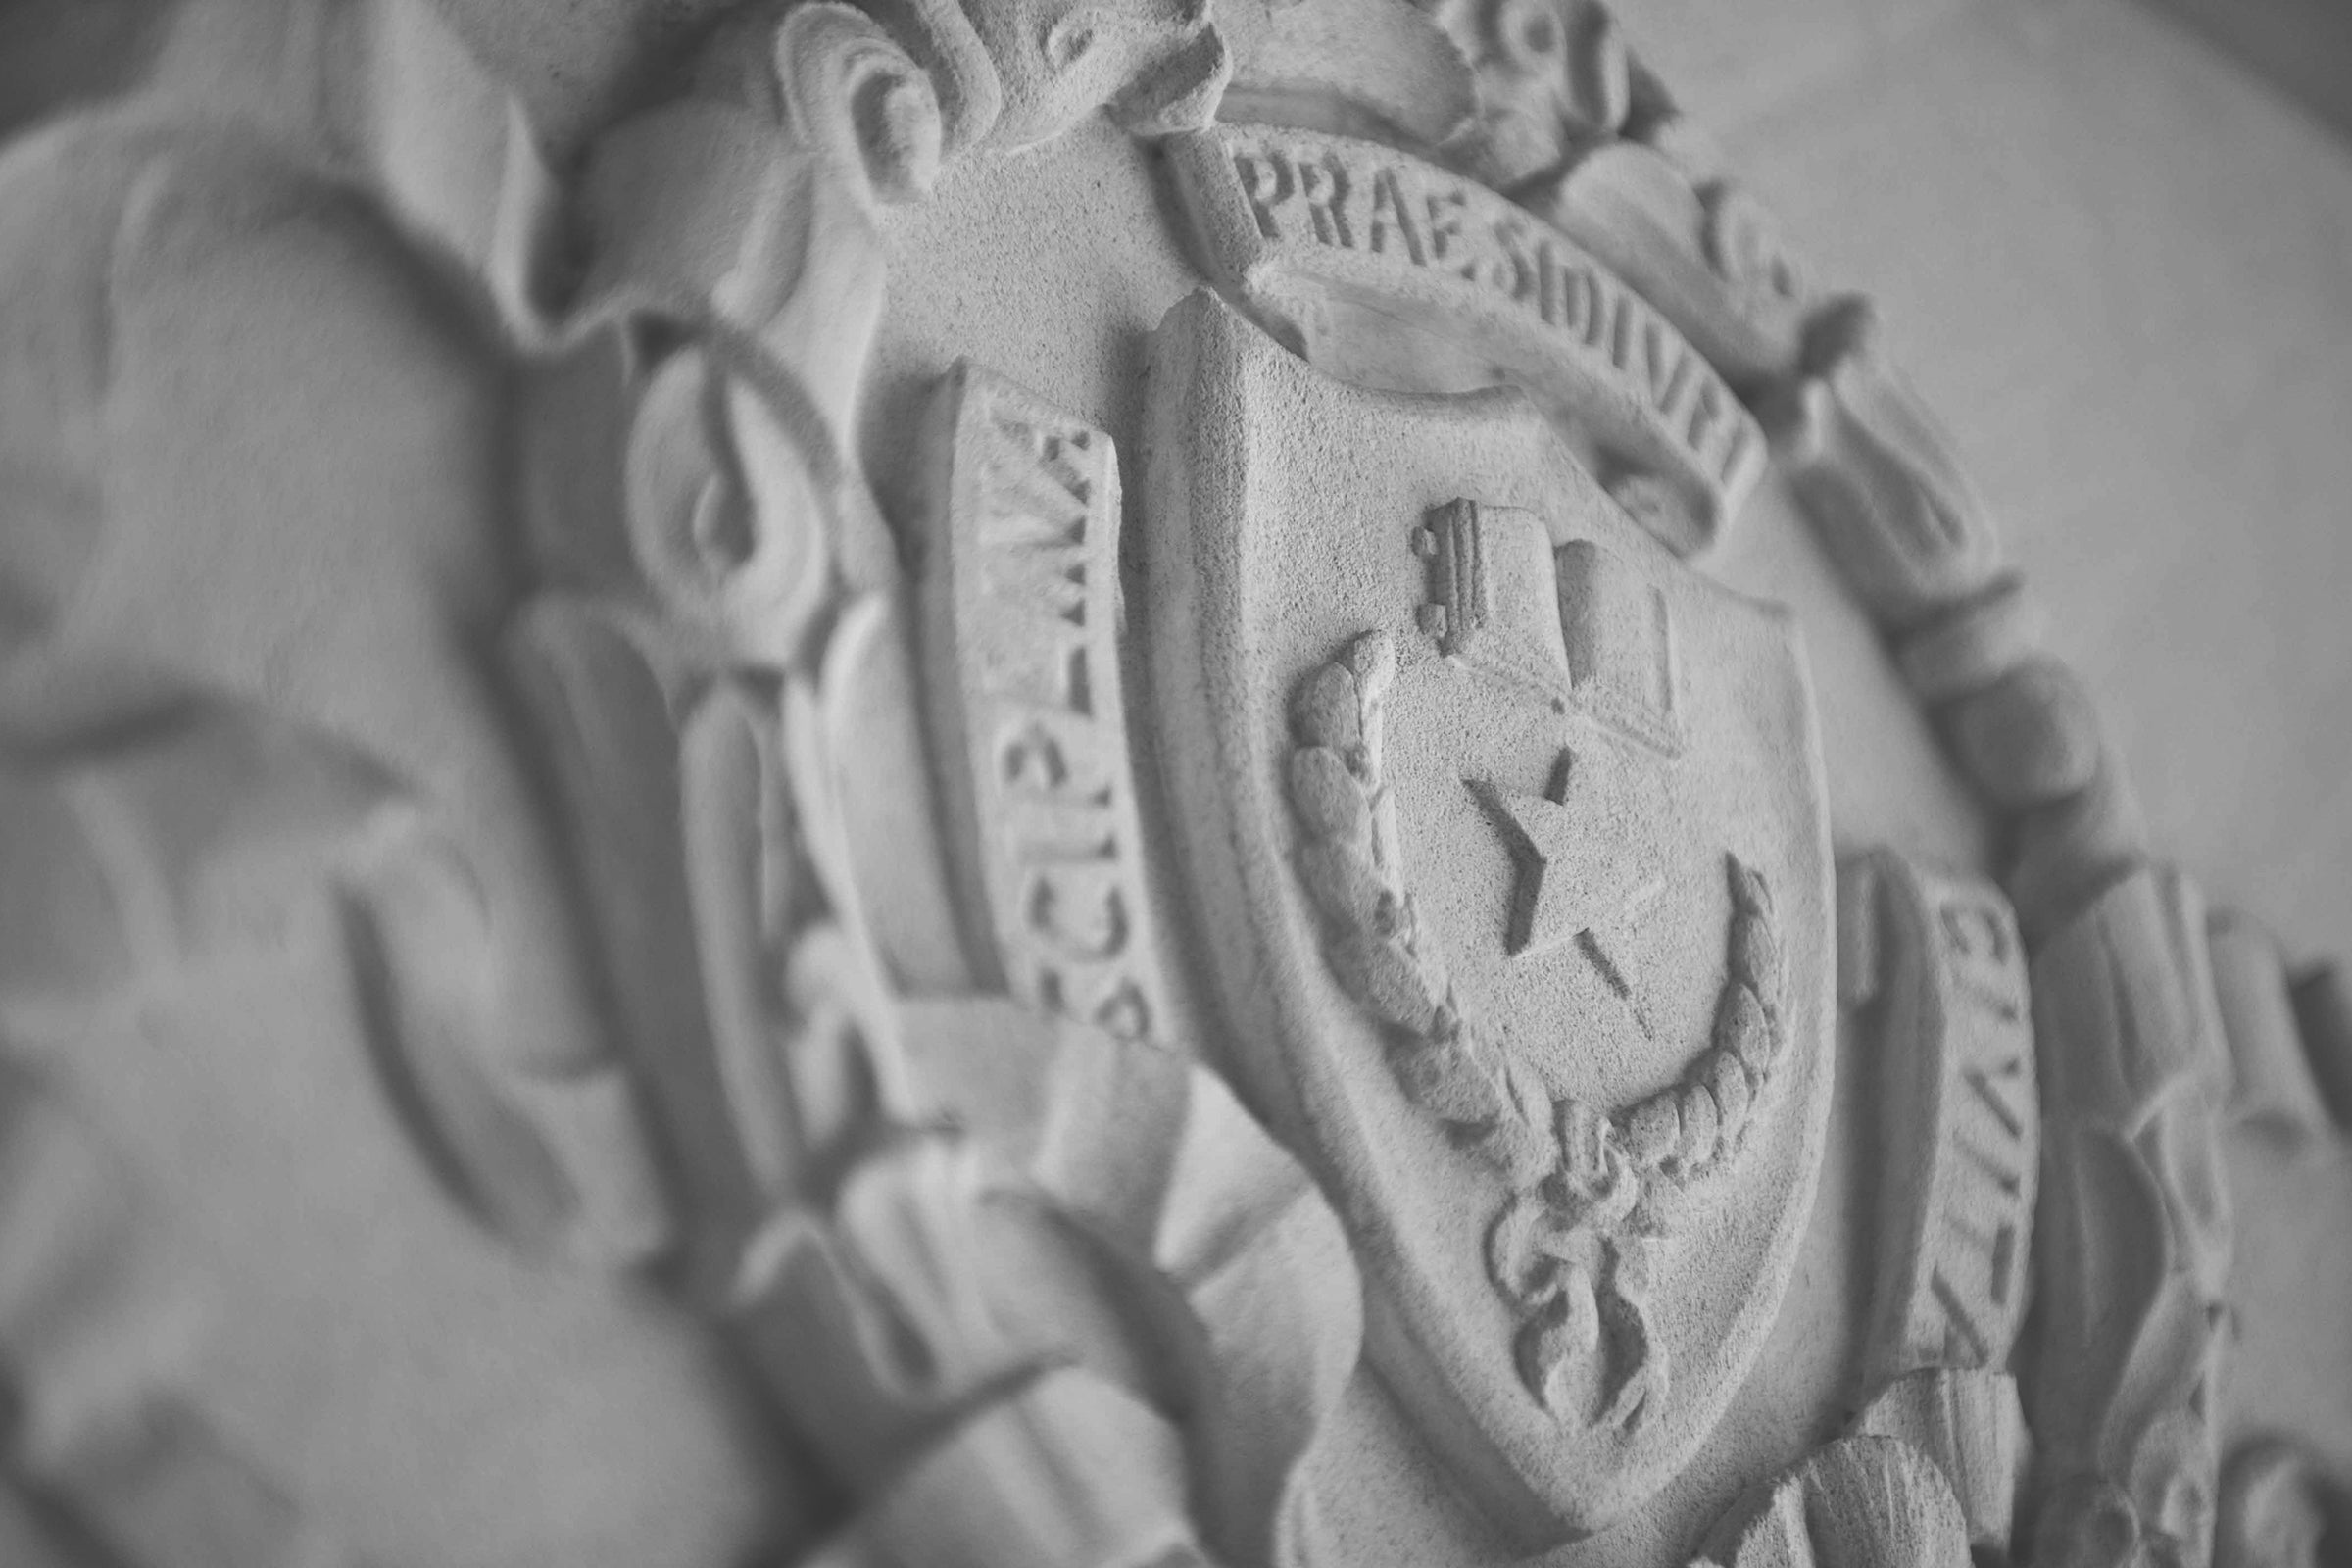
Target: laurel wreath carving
(1569, 1251)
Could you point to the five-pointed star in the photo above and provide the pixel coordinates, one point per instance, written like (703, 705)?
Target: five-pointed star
(1574, 872)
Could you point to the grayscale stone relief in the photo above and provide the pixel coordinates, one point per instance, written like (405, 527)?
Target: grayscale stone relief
(1076, 784)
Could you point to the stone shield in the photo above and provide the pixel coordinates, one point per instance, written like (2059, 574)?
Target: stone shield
(1504, 839)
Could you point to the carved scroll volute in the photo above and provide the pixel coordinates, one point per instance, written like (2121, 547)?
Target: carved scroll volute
(1876, 474)
(747, 220)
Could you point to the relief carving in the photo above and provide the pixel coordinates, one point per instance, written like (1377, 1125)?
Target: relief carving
(1958, 1124)
(1706, 254)
(2272, 1088)
(1540, 1124)
(984, 1339)
(1017, 74)
(621, 962)
(1570, 1249)
(1380, 69)
(1969, 1422)
(2132, 1250)
(301, 980)
(1025, 682)
(1388, 271)
(1876, 474)
(744, 219)
(2279, 1510)
(1551, 75)
(2323, 999)
(1864, 1500)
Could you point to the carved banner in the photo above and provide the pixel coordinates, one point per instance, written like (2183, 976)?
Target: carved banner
(1388, 271)
(1526, 946)
(1023, 595)
(1960, 1128)
(2133, 1259)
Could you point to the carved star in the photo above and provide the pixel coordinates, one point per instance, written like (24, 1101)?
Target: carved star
(1575, 875)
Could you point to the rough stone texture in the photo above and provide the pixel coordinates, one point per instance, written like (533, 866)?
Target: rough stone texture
(902, 1195)
(2029, 739)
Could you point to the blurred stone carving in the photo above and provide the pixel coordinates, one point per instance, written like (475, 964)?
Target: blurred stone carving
(2132, 1250)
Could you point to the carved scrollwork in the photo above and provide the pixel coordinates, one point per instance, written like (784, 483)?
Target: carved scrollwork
(1003, 1359)
(736, 233)
(1568, 1251)
(1551, 75)
(1014, 76)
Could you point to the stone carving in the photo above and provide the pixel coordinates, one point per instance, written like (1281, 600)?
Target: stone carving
(1016, 75)
(1388, 271)
(940, 1296)
(1969, 1422)
(696, 496)
(744, 218)
(1550, 75)
(2324, 1016)
(1707, 254)
(2029, 738)
(1573, 624)
(2022, 728)
(1876, 474)
(928, 1094)
(1461, 599)
(2276, 1510)
(1379, 70)
(2272, 1088)
(1570, 1249)
(964, 1335)
(1971, 645)
(284, 932)
(1945, 970)
(1578, 1098)
(2131, 1251)
(1860, 1501)
(1025, 672)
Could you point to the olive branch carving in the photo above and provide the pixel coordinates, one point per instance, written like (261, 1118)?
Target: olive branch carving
(1569, 1251)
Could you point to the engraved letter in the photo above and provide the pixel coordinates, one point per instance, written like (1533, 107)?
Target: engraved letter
(1390, 211)
(1267, 183)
